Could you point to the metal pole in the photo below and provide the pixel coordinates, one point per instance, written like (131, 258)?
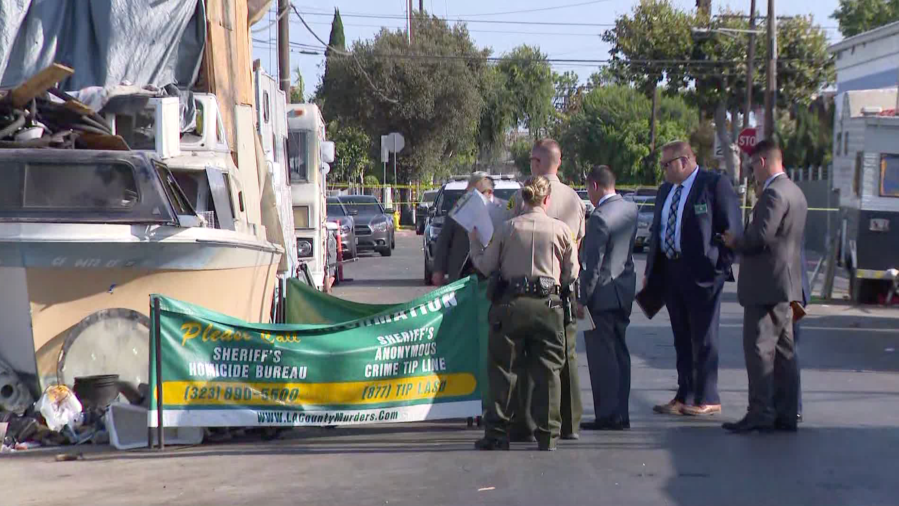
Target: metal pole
(284, 47)
(394, 156)
(410, 21)
(750, 65)
(771, 94)
(151, 350)
(160, 427)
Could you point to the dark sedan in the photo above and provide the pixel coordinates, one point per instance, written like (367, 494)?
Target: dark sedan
(338, 214)
(373, 224)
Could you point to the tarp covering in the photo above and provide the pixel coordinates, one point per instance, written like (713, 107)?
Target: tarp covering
(106, 42)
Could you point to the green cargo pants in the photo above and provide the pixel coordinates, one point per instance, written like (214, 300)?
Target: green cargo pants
(571, 408)
(522, 326)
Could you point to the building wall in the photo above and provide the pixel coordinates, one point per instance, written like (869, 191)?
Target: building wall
(868, 61)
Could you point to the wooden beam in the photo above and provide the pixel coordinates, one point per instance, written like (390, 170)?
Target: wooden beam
(78, 108)
(39, 83)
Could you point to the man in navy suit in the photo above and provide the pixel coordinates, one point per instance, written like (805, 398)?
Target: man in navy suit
(687, 267)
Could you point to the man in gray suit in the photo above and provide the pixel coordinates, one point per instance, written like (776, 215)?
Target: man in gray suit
(451, 251)
(770, 283)
(607, 289)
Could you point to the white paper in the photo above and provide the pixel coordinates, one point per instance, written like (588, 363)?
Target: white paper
(471, 212)
(586, 323)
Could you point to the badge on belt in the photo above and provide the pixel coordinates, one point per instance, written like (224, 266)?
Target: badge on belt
(701, 208)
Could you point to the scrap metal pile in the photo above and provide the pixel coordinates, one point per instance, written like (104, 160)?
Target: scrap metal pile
(38, 115)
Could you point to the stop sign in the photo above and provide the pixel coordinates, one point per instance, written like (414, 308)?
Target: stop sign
(746, 140)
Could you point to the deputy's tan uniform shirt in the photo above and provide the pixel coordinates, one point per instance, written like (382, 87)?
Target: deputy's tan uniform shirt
(564, 205)
(530, 245)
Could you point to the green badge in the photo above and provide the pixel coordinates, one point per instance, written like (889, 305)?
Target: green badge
(701, 208)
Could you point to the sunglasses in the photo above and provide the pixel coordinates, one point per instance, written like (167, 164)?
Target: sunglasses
(669, 162)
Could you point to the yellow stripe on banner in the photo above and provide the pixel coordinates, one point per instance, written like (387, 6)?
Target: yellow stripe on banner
(869, 274)
(224, 393)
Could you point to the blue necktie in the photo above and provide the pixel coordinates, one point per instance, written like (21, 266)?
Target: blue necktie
(672, 223)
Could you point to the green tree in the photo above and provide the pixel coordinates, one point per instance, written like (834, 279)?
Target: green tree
(352, 147)
(337, 39)
(857, 16)
(296, 90)
(435, 103)
(566, 86)
(656, 42)
(529, 80)
(496, 117)
(603, 131)
(521, 155)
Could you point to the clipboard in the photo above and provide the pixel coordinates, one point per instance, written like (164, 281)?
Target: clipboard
(586, 323)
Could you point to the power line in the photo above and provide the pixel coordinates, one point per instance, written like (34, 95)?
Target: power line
(394, 16)
(341, 52)
(536, 10)
(559, 34)
(266, 27)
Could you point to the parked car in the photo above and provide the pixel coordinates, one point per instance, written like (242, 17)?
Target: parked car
(421, 210)
(586, 199)
(338, 213)
(447, 196)
(645, 210)
(373, 224)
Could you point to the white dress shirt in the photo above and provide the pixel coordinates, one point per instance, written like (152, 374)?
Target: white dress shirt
(687, 184)
(771, 180)
(605, 198)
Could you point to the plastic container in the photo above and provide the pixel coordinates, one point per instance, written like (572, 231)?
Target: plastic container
(30, 134)
(127, 427)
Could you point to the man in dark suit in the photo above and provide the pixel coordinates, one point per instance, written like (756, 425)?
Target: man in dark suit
(451, 251)
(607, 286)
(770, 282)
(687, 267)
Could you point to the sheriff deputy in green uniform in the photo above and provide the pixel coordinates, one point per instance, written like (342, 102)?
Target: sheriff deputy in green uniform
(566, 206)
(528, 261)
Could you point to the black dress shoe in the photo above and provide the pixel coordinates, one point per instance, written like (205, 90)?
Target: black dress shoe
(612, 423)
(489, 444)
(785, 425)
(746, 425)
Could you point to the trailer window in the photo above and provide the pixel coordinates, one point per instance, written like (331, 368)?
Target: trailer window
(298, 156)
(857, 177)
(52, 186)
(889, 175)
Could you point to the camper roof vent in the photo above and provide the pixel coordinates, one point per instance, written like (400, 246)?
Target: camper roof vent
(871, 111)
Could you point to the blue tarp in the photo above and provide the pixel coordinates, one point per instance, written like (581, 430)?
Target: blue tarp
(107, 42)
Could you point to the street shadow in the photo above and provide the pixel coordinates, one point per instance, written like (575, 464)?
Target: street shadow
(857, 342)
(814, 466)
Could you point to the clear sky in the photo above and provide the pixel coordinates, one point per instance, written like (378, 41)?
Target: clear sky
(557, 41)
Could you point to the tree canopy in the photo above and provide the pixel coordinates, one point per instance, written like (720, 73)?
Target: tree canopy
(858, 16)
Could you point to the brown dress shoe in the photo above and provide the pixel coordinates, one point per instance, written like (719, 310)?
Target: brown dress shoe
(702, 410)
(675, 407)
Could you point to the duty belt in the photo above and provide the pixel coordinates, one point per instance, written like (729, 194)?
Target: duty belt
(533, 287)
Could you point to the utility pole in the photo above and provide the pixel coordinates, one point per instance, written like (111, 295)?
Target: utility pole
(284, 46)
(771, 93)
(421, 6)
(750, 65)
(409, 11)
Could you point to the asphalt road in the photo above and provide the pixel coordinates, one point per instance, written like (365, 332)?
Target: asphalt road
(843, 454)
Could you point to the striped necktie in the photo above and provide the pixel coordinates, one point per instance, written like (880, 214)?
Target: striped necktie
(672, 223)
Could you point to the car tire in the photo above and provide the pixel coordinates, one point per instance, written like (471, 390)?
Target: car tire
(393, 242)
(428, 280)
(386, 252)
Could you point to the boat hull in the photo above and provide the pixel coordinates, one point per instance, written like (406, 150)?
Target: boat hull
(55, 277)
